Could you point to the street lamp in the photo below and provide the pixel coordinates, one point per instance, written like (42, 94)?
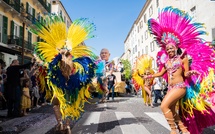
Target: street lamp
(24, 15)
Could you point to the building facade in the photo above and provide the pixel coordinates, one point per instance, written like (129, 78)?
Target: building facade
(139, 41)
(58, 8)
(16, 40)
(202, 11)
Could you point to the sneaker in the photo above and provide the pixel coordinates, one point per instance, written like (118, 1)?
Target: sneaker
(38, 106)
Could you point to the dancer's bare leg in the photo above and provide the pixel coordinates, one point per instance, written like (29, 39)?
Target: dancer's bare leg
(67, 126)
(57, 113)
(178, 121)
(149, 95)
(168, 104)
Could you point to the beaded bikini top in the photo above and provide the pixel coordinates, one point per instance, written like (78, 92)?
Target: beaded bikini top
(175, 64)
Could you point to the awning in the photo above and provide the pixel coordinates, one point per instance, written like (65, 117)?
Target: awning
(9, 50)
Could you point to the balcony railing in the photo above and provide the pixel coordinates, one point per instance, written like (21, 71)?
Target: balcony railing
(15, 4)
(31, 18)
(17, 41)
(43, 2)
(14, 40)
(29, 46)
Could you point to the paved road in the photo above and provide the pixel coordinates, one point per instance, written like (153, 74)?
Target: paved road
(124, 115)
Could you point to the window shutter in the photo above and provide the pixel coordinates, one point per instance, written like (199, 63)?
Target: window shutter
(41, 19)
(33, 13)
(27, 7)
(49, 8)
(4, 34)
(12, 29)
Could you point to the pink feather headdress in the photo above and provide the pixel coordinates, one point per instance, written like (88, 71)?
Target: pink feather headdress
(175, 27)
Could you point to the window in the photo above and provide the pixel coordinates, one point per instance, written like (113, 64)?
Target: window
(61, 12)
(213, 33)
(135, 48)
(146, 49)
(141, 24)
(30, 9)
(152, 46)
(145, 18)
(138, 42)
(38, 16)
(29, 37)
(193, 13)
(142, 51)
(157, 3)
(1, 27)
(138, 53)
(64, 18)
(68, 24)
(16, 30)
(138, 28)
(142, 38)
(146, 34)
(150, 11)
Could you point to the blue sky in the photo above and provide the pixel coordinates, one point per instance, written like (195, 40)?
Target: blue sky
(113, 20)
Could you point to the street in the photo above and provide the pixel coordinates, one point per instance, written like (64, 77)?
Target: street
(124, 115)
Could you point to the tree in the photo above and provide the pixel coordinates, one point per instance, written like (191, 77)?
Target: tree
(127, 68)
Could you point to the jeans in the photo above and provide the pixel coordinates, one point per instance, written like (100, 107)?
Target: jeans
(158, 95)
(111, 87)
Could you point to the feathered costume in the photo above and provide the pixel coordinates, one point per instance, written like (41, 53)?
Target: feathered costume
(71, 91)
(143, 64)
(175, 26)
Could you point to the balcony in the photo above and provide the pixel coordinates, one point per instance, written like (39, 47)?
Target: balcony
(28, 46)
(30, 19)
(43, 5)
(12, 6)
(15, 42)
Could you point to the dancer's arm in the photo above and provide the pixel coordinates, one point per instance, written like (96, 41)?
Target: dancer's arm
(187, 72)
(158, 74)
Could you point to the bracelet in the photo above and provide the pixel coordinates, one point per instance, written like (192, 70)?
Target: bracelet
(149, 76)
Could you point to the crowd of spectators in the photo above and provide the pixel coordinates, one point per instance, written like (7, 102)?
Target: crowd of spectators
(18, 84)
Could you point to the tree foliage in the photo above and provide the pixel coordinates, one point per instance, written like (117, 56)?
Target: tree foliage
(127, 68)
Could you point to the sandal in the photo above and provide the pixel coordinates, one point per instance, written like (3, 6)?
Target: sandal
(181, 126)
(171, 122)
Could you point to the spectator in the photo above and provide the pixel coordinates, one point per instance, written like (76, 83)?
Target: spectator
(26, 101)
(157, 85)
(35, 90)
(120, 67)
(2, 88)
(128, 86)
(13, 88)
(111, 83)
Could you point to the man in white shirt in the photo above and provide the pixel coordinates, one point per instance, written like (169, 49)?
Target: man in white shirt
(157, 84)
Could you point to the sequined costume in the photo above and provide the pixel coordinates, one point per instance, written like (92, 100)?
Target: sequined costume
(176, 27)
(143, 66)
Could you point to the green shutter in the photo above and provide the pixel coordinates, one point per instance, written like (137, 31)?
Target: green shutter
(41, 19)
(49, 8)
(27, 7)
(11, 29)
(33, 13)
(20, 35)
(29, 37)
(4, 34)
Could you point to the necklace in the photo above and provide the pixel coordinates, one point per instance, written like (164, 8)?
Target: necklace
(174, 65)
